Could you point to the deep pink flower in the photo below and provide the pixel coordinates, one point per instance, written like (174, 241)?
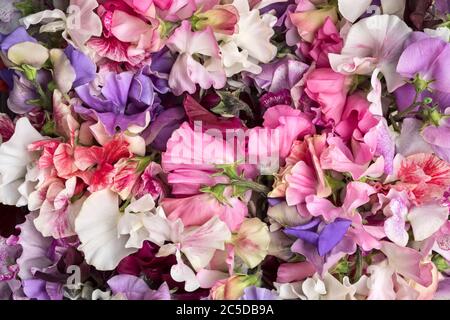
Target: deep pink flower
(327, 40)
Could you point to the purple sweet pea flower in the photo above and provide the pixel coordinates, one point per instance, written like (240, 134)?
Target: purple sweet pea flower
(346, 246)
(125, 99)
(255, 293)
(134, 288)
(279, 75)
(438, 137)
(427, 58)
(23, 91)
(43, 262)
(17, 36)
(162, 62)
(325, 238)
(84, 67)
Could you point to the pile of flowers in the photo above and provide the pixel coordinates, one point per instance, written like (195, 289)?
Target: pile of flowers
(225, 149)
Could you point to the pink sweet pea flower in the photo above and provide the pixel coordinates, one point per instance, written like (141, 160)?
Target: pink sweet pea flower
(329, 89)
(96, 163)
(326, 41)
(272, 143)
(425, 176)
(127, 36)
(355, 159)
(186, 71)
(58, 211)
(356, 117)
(307, 177)
(198, 209)
(409, 263)
(308, 22)
(222, 19)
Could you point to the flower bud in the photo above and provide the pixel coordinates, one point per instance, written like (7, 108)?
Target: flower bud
(233, 287)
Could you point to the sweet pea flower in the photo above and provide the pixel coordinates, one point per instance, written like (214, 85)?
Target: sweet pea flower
(186, 71)
(309, 21)
(78, 25)
(326, 41)
(430, 69)
(408, 263)
(57, 211)
(221, 18)
(324, 237)
(101, 242)
(43, 262)
(239, 53)
(357, 159)
(232, 288)
(251, 242)
(127, 35)
(305, 176)
(198, 209)
(270, 145)
(176, 10)
(125, 102)
(356, 195)
(17, 46)
(371, 43)
(10, 250)
(279, 75)
(17, 178)
(198, 244)
(330, 90)
(356, 116)
(424, 176)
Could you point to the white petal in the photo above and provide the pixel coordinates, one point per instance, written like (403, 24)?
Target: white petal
(64, 72)
(20, 54)
(352, 10)
(427, 219)
(96, 226)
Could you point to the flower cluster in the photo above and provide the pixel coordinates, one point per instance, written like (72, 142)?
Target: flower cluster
(225, 149)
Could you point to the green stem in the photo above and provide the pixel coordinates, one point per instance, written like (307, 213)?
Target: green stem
(251, 185)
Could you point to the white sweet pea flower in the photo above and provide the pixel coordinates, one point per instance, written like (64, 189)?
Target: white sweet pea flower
(142, 220)
(250, 45)
(78, 24)
(18, 174)
(97, 229)
(108, 235)
(373, 44)
(198, 244)
(323, 288)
